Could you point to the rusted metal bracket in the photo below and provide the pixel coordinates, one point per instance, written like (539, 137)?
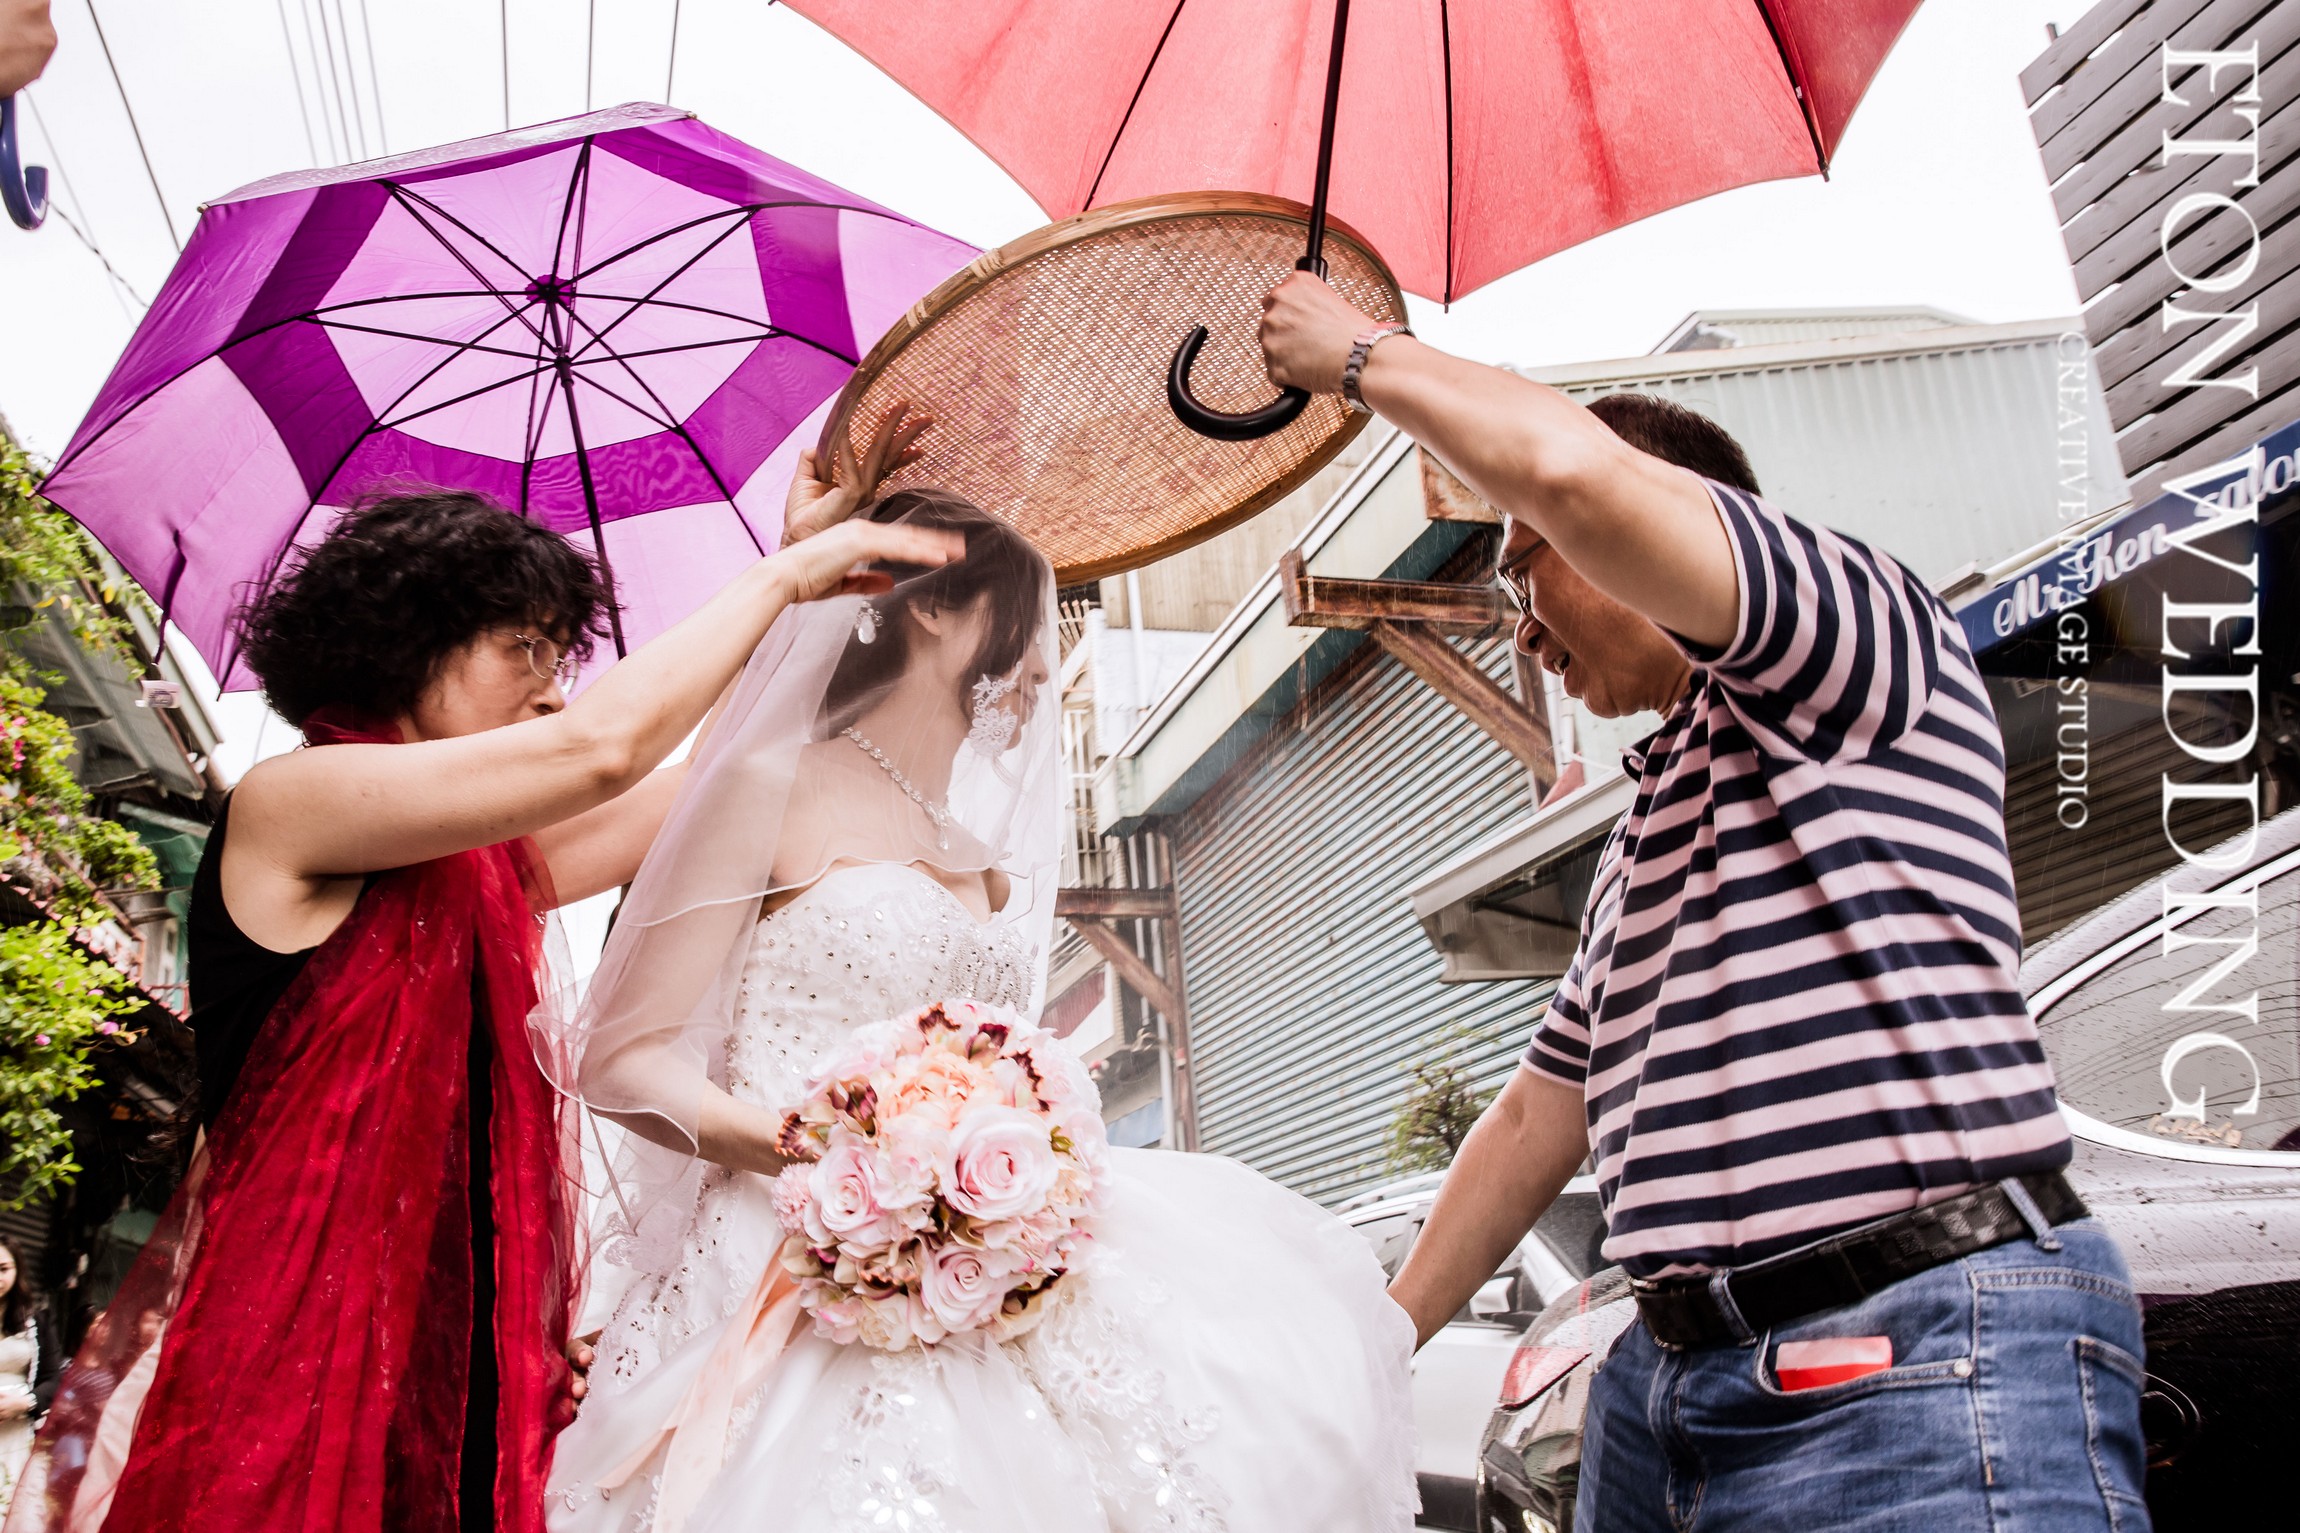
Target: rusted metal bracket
(1114, 904)
(1408, 618)
(1325, 601)
(1089, 912)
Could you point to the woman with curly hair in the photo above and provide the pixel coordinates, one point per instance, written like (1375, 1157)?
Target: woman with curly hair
(367, 1278)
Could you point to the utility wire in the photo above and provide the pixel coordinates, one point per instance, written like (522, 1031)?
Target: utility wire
(354, 133)
(149, 173)
(303, 107)
(351, 75)
(374, 82)
(671, 70)
(83, 227)
(330, 98)
(503, 21)
(590, 48)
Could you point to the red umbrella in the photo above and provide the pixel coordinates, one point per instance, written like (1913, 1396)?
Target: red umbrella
(1473, 136)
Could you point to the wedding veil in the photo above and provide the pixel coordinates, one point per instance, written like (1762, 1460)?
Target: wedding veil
(920, 726)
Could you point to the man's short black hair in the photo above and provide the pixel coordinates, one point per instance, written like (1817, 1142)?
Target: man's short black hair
(1674, 434)
(364, 618)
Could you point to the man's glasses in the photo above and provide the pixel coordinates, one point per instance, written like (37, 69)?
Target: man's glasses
(1511, 579)
(547, 660)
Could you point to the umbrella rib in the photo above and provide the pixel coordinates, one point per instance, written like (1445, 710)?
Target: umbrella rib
(532, 441)
(1445, 46)
(575, 179)
(384, 423)
(670, 277)
(772, 330)
(1796, 86)
(1140, 86)
(428, 340)
(408, 200)
(738, 215)
(678, 428)
(591, 508)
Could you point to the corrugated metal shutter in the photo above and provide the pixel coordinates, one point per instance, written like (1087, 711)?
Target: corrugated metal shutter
(1313, 991)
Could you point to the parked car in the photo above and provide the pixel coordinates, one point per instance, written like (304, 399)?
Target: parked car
(2206, 1203)
(1457, 1373)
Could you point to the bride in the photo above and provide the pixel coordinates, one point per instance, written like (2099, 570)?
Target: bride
(875, 826)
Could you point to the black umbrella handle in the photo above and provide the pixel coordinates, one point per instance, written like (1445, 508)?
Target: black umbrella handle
(23, 188)
(1224, 425)
(1280, 413)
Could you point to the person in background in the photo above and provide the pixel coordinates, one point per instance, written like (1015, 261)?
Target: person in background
(27, 42)
(1793, 1038)
(28, 1362)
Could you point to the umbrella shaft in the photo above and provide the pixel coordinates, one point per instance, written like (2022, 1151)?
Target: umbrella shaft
(1314, 258)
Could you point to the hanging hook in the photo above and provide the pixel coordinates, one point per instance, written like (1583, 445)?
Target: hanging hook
(23, 188)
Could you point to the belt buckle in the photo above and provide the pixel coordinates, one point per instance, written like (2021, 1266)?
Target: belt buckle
(1661, 1291)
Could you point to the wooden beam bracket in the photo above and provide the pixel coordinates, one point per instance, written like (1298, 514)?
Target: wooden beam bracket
(1327, 601)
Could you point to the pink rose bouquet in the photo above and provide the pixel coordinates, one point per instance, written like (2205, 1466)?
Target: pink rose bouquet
(948, 1167)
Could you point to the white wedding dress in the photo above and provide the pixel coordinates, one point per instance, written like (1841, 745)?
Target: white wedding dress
(1227, 1360)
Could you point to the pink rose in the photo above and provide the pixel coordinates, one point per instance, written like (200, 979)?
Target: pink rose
(1001, 1164)
(911, 1151)
(962, 1287)
(843, 1187)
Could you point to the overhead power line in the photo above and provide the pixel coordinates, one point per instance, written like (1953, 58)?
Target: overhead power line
(671, 70)
(503, 24)
(330, 98)
(374, 83)
(129, 107)
(83, 227)
(302, 106)
(590, 48)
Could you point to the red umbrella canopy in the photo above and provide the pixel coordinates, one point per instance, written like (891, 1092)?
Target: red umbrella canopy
(1475, 136)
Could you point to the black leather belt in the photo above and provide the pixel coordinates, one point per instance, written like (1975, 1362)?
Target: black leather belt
(1685, 1312)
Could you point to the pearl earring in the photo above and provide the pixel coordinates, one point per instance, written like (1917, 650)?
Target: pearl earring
(866, 624)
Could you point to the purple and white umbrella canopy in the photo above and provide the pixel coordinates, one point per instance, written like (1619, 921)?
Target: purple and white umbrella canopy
(623, 325)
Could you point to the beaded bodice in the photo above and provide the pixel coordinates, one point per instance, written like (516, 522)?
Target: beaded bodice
(863, 944)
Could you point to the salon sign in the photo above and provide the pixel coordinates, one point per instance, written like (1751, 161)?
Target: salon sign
(2089, 560)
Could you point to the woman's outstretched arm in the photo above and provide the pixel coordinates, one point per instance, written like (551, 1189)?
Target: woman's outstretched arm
(352, 809)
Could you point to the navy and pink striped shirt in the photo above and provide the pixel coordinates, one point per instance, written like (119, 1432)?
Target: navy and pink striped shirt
(1796, 1005)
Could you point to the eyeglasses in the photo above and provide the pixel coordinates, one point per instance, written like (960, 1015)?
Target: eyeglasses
(547, 660)
(1511, 579)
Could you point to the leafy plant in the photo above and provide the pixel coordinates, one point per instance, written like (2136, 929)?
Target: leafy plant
(56, 1006)
(1441, 1105)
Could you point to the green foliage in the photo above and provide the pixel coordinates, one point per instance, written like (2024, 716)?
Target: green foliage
(47, 562)
(56, 1006)
(1441, 1105)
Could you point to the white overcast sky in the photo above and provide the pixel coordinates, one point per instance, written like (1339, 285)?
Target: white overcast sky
(1937, 196)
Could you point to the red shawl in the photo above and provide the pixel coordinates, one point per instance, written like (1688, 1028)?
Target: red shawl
(315, 1272)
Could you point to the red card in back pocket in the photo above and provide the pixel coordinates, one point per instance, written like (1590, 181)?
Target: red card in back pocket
(1830, 1360)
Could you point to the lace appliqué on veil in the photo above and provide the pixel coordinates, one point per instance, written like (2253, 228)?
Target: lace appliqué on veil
(1087, 1360)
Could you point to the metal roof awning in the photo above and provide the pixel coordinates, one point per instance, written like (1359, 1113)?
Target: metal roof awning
(1511, 908)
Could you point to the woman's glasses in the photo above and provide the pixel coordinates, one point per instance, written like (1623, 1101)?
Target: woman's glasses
(547, 660)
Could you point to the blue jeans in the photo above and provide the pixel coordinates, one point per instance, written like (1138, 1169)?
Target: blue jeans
(2012, 1406)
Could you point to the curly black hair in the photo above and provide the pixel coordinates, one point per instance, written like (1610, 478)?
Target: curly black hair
(365, 617)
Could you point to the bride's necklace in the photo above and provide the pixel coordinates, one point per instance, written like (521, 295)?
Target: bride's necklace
(939, 813)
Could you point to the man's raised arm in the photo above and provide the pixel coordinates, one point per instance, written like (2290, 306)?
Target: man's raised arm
(1643, 531)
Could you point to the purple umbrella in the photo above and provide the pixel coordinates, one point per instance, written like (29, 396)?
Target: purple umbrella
(623, 325)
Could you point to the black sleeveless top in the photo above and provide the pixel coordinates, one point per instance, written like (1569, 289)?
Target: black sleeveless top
(236, 981)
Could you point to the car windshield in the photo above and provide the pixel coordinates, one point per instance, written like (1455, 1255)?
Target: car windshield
(2151, 1039)
(1574, 1228)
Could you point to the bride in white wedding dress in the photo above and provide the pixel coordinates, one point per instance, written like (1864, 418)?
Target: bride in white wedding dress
(875, 826)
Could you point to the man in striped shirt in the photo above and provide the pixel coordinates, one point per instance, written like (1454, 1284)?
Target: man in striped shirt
(1792, 1039)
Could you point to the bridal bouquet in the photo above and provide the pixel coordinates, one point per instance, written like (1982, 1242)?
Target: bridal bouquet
(950, 1165)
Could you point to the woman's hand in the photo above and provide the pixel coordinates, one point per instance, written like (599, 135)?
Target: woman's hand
(817, 503)
(827, 563)
(16, 1404)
